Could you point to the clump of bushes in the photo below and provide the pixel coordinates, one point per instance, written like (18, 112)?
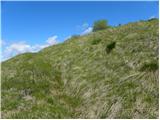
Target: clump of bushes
(152, 66)
(96, 41)
(100, 25)
(110, 46)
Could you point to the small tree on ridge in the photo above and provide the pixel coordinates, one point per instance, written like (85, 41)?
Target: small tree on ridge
(100, 25)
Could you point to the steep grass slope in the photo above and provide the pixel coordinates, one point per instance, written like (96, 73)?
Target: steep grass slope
(111, 73)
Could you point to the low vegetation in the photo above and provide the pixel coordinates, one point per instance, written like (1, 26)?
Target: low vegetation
(96, 41)
(109, 73)
(152, 66)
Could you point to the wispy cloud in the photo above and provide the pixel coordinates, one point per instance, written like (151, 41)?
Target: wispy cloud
(52, 40)
(87, 31)
(22, 47)
(151, 17)
(14, 49)
(2, 42)
(85, 25)
(82, 26)
(68, 37)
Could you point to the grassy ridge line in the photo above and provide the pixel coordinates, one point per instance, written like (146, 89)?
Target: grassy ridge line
(111, 73)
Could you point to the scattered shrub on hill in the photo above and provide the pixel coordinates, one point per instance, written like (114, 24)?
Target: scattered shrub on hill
(152, 66)
(100, 25)
(96, 41)
(152, 19)
(110, 46)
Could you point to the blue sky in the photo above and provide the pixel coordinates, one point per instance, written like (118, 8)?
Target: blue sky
(32, 24)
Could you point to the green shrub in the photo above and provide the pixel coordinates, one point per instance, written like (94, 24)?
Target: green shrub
(96, 41)
(110, 46)
(152, 66)
(100, 25)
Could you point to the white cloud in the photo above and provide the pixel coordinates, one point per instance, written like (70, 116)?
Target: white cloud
(22, 47)
(52, 40)
(19, 47)
(88, 30)
(68, 37)
(14, 49)
(152, 17)
(2, 42)
(83, 26)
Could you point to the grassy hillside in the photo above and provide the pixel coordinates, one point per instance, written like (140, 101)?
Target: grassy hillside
(112, 73)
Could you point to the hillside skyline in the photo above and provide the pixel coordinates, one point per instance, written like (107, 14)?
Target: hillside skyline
(32, 26)
(111, 73)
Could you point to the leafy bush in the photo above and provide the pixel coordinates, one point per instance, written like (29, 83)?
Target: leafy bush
(152, 66)
(100, 25)
(110, 46)
(96, 41)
